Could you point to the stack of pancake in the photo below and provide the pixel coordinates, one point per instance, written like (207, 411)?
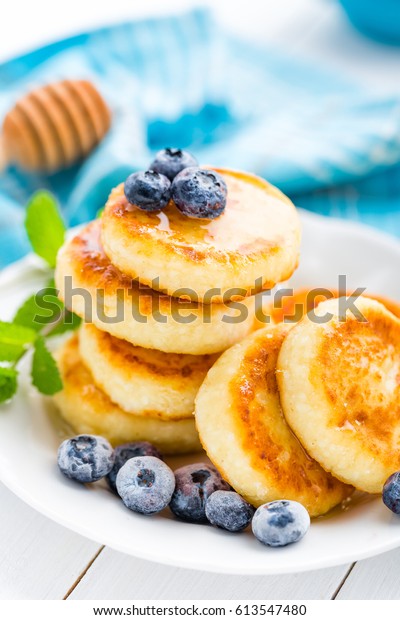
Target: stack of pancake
(305, 411)
(162, 296)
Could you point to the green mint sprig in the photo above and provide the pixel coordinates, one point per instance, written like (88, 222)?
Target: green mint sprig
(42, 315)
(44, 226)
(45, 374)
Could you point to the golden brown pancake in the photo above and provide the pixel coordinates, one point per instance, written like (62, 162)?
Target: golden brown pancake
(250, 247)
(87, 409)
(143, 381)
(116, 304)
(340, 390)
(244, 432)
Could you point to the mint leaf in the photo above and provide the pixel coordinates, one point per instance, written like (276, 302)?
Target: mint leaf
(45, 308)
(45, 375)
(44, 226)
(11, 352)
(16, 333)
(40, 309)
(14, 340)
(26, 313)
(8, 383)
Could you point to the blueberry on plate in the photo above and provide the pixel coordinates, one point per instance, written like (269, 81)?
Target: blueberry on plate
(391, 493)
(145, 484)
(280, 523)
(85, 458)
(194, 485)
(127, 451)
(229, 511)
(199, 193)
(170, 162)
(149, 190)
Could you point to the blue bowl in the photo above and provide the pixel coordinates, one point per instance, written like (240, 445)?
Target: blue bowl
(379, 19)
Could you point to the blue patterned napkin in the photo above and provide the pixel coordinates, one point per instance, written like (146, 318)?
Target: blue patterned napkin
(182, 81)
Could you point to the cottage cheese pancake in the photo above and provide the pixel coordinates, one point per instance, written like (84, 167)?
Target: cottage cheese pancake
(253, 245)
(340, 390)
(116, 304)
(89, 410)
(143, 381)
(244, 432)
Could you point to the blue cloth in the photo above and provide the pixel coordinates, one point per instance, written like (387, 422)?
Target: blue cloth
(181, 81)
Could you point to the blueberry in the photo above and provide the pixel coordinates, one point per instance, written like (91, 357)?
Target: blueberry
(145, 484)
(199, 193)
(85, 458)
(194, 485)
(170, 162)
(128, 451)
(280, 523)
(229, 511)
(391, 493)
(148, 190)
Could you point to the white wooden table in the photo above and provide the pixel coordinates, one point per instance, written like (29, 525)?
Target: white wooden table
(38, 558)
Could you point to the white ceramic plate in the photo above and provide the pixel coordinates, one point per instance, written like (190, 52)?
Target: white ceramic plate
(29, 440)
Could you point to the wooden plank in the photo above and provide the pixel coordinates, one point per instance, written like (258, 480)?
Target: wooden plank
(38, 558)
(115, 576)
(377, 578)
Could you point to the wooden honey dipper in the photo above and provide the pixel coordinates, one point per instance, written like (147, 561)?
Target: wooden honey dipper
(54, 126)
